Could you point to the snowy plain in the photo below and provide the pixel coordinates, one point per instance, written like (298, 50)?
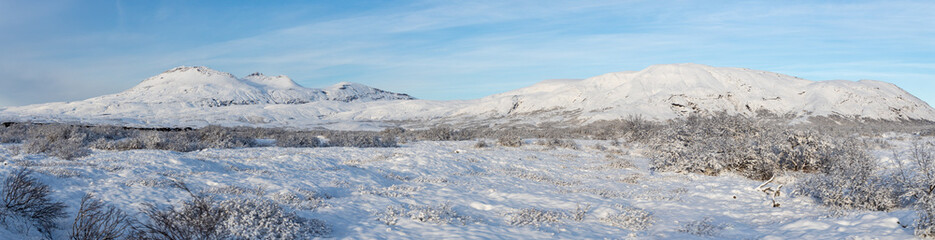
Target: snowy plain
(378, 193)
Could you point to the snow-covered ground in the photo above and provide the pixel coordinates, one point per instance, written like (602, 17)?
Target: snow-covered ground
(529, 192)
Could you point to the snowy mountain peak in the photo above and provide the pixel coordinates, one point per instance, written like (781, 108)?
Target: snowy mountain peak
(273, 82)
(198, 96)
(674, 90)
(205, 87)
(189, 79)
(348, 91)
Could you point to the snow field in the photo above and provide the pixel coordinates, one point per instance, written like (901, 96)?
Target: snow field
(434, 190)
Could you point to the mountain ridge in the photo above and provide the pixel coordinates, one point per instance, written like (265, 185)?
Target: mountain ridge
(198, 96)
(202, 86)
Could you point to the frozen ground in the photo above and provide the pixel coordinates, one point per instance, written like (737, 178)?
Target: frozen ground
(445, 190)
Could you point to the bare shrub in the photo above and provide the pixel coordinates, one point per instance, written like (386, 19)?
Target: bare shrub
(197, 219)
(13, 132)
(22, 195)
(534, 216)
(298, 140)
(391, 215)
(580, 212)
(714, 144)
(221, 137)
(443, 134)
(849, 180)
(510, 141)
(205, 218)
(259, 219)
(437, 214)
(481, 144)
(559, 143)
(62, 141)
(918, 181)
(97, 220)
(630, 218)
(703, 227)
(359, 139)
(925, 223)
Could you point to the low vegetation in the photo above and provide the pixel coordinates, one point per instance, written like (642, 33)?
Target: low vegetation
(829, 159)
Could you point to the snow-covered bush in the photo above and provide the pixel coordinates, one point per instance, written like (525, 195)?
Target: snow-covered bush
(757, 149)
(97, 220)
(849, 179)
(259, 219)
(221, 137)
(918, 180)
(62, 141)
(925, 223)
(630, 218)
(718, 143)
(481, 144)
(298, 140)
(206, 218)
(437, 214)
(580, 212)
(534, 216)
(443, 134)
(703, 227)
(198, 218)
(358, 139)
(510, 141)
(24, 196)
(13, 132)
(558, 143)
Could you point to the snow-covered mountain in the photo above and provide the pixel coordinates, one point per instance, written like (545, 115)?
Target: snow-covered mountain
(198, 96)
(201, 86)
(675, 90)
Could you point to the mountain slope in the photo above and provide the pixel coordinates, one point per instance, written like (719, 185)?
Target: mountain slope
(675, 90)
(198, 96)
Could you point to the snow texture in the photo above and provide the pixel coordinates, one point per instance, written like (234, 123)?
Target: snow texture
(451, 190)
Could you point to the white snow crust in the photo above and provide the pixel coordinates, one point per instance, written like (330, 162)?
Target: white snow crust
(350, 188)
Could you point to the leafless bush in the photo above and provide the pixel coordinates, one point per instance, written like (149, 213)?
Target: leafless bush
(359, 139)
(259, 219)
(221, 137)
(22, 195)
(481, 144)
(97, 220)
(850, 180)
(918, 181)
(198, 219)
(13, 132)
(437, 214)
(534, 216)
(62, 141)
(630, 218)
(559, 143)
(510, 141)
(205, 218)
(298, 140)
(580, 212)
(714, 144)
(703, 227)
(443, 134)
(925, 223)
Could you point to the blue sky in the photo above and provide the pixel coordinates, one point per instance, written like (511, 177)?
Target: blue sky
(65, 50)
